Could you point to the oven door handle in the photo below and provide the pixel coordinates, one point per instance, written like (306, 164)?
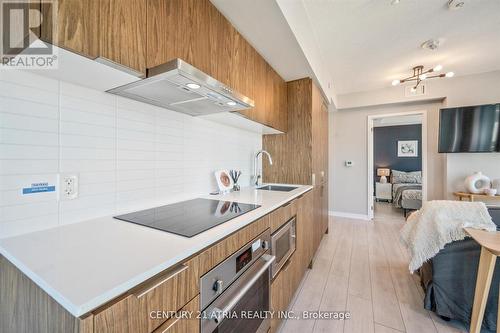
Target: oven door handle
(218, 314)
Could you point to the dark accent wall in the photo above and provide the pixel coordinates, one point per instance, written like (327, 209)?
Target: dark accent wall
(385, 148)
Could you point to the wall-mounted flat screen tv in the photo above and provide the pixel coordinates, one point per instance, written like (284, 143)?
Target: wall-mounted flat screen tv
(470, 129)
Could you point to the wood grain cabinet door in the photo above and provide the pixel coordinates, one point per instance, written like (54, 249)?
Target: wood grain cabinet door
(281, 293)
(74, 27)
(259, 112)
(305, 229)
(186, 29)
(122, 32)
(168, 292)
(185, 321)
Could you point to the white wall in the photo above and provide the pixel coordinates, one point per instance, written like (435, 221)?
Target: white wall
(127, 154)
(446, 171)
(460, 166)
(349, 131)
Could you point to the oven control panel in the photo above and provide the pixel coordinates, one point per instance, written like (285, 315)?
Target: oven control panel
(244, 259)
(219, 278)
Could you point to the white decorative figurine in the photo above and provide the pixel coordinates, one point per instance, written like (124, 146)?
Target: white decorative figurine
(477, 183)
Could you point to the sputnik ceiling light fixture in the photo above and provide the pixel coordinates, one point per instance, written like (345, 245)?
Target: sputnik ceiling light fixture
(419, 75)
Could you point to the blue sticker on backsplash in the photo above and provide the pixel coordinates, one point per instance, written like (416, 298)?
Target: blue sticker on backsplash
(39, 188)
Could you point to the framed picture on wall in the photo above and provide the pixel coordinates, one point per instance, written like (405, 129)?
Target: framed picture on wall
(408, 148)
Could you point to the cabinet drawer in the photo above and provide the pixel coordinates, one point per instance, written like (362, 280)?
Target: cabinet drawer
(281, 292)
(282, 215)
(167, 292)
(186, 320)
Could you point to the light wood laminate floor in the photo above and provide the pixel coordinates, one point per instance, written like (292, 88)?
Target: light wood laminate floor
(361, 267)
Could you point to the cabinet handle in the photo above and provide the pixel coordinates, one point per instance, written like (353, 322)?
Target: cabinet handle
(287, 204)
(286, 265)
(171, 325)
(175, 272)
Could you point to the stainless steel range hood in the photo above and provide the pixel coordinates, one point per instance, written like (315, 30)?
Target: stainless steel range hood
(178, 86)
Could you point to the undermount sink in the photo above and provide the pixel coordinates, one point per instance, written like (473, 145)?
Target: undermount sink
(277, 188)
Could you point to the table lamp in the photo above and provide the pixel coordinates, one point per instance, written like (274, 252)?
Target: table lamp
(383, 173)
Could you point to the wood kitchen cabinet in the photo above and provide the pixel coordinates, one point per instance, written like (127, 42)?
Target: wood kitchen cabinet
(195, 31)
(320, 160)
(122, 32)
(141, 34)
(169, 291)
(191, 30)
(286, 283)
(305, 229)
(111, 29)
(183, 325)
(301, 155)
(174, 290)
(276, 113)
(75, 26)
(281, 293)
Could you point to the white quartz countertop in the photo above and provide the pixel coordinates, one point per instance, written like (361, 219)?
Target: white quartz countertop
(84, 265)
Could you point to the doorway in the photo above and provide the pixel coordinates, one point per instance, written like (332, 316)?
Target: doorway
(397, 162)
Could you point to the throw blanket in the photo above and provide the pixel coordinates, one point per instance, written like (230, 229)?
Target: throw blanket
(398, 190)
(438, 223)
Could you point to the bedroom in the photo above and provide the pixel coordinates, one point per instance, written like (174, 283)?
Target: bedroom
(396, 162)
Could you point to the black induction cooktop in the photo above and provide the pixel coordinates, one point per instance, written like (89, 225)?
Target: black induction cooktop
(188, 218)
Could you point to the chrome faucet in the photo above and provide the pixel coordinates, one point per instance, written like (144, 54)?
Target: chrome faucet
(258, 175)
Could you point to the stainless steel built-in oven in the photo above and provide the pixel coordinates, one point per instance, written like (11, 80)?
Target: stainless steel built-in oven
(283, 244)
(235, 294)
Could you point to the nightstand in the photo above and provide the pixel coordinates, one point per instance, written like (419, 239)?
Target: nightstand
(383, 191)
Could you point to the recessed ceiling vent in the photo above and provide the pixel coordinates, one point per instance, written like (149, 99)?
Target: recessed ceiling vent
(431, 44)
(455, 4)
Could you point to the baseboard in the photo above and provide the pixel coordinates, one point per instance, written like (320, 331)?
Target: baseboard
(349, 215)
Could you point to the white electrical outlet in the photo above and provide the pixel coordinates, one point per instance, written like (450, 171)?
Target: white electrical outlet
(69, 187)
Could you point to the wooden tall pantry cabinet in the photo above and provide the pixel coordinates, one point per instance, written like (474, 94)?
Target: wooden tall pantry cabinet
(301, 154)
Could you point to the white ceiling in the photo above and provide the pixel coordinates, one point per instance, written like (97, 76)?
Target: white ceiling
(262, 23)
(368, 43)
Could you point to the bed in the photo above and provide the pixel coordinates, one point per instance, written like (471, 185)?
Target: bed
(407, 190)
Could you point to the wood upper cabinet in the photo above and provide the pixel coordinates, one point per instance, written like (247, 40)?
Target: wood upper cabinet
(302, 153)
(259, 111)
(111, 29)
(75, 26)
(141, 34)
(122, 32)
(292, 152)
(196, 32)
(184, 29)
(319, 136)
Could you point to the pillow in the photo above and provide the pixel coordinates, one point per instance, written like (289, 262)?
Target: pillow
(414, 177)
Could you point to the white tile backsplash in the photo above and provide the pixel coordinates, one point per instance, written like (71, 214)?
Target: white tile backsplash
(127, 154)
